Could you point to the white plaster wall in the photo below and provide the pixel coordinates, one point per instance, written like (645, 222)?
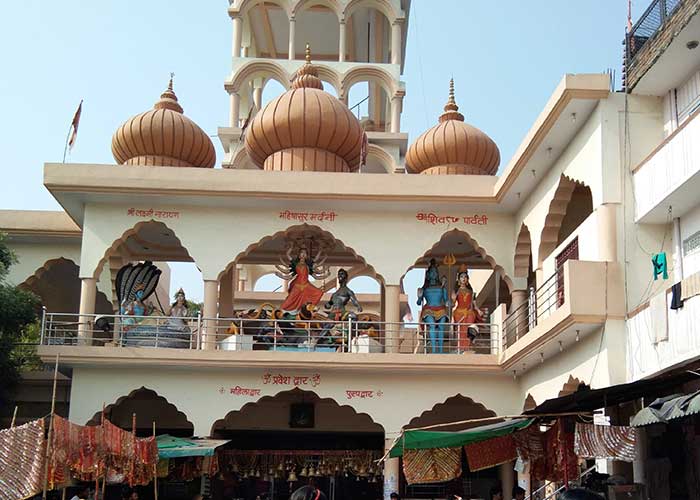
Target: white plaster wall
(581, 161)
(646, 357)
(597, 359)
(197, 392)
(390, 242)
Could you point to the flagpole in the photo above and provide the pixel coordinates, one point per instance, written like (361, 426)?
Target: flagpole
(65, 148)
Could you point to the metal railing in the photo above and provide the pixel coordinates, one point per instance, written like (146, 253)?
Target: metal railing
(649, 24)
(540, 493)
(540, 304)
(272, 334)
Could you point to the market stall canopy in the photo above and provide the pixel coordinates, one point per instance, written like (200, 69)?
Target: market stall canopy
(427, 439)
(174, 447)
(669, 408)
(588, 400)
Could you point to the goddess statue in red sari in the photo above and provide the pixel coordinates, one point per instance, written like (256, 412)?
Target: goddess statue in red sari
(298, 270)
(465, 313)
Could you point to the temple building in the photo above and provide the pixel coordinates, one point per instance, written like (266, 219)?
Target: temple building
(541, 274)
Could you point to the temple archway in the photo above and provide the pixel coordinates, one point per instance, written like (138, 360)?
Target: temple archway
(456, 408)
(298, 431)
(147, 241)
(561, 210)
(148, 407)
(488, 278)
(57, 284)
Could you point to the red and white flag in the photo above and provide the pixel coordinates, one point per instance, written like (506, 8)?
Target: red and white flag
(74, 126)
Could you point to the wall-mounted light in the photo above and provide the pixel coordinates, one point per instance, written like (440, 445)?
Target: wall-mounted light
(514, 375)
(573, 117)
(541, 357)
(693, 44)
(561, 346)
(549, 152)
(578, 336)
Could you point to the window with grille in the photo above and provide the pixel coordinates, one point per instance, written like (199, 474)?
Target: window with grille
(691, 244)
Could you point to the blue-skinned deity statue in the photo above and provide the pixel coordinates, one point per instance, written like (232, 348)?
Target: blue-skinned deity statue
(434, 314)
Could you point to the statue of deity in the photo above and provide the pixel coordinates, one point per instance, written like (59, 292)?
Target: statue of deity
(465, 312)
(178, 309)
(339, 300)
(136, 306)
(297, 270)
(435, 312)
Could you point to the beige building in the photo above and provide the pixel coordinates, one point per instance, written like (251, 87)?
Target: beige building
(562, 234)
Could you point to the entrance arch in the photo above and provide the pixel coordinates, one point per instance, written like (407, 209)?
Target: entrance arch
(148, 407)
(454, 409)
(294, 437)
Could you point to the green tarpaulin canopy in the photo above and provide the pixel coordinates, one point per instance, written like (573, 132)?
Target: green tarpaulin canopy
(174, 447)
(427, 439)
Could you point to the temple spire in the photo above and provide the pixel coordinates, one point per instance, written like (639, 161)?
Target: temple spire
(451, 108)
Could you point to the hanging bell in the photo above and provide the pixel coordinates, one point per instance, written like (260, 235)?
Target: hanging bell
(257, 473)
(292, 477)
(304, 472)
(312, 472)
(235, 468)
(271, 471)
(280, 467)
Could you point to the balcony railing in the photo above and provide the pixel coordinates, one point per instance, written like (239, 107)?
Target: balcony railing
(540, 304)
(649, 24)
(282, 335)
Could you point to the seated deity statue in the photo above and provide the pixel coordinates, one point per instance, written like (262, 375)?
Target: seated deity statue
(339, 300)
(298, 270)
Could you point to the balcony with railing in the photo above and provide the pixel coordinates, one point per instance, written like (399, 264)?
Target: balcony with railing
(670, 175)
(87, 339)
(571, 303)
(652, 35)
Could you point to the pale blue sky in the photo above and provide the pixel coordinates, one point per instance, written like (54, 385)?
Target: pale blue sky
(506, 58)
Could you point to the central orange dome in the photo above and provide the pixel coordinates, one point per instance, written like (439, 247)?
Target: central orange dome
(453, 147)
(305, 129)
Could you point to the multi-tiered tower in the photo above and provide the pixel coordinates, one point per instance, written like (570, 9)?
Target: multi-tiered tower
(356, 44)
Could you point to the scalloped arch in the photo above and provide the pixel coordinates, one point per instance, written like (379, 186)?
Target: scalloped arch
(555, 216)
(369, 73)
(453, 409)
(481, 250)
(523, 253)
(307, 395)
(143, 390)
(266, 69)
(36, 275)
(114, 247)
(307, 227)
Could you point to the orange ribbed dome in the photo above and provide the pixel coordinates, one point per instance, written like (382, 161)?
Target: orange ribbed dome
(163, 136)
(305, 129)
(453, 147)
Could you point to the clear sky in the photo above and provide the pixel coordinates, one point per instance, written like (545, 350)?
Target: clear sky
(506, 58)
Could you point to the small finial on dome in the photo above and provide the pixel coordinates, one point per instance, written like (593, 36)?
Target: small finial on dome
(168, 99)
(451, 108)
(307, 75)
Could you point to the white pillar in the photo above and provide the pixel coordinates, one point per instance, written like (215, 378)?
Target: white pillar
(391, 472)
(257, 98)
(607, 232)
(211, 292)
(396, 42)
(341, 42)
(235, 109)
(237, 35)
(392, 301)
(506, 474)
(677, 251)
(396, 105)
(518, 300)
(88, 292)
(292, 38)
